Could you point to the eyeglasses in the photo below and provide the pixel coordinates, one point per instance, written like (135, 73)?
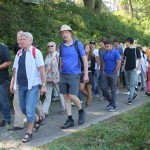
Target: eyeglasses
(50, 46)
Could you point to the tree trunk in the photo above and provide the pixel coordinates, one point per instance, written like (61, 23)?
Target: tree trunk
(98, 5)
(130, 8)
(89, 4)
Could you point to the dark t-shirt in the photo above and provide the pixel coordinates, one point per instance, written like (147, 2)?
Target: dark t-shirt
(129, 53)
(4, 57)
(22, 75)
(16, 48)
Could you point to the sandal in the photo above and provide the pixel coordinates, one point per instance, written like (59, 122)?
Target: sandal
(37, 124)
(27, 138)
(87, 105)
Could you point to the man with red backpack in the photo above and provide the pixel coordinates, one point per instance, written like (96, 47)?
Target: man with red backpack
(29, 76)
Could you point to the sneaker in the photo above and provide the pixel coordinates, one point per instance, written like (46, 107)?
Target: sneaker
(72, 103)
(15, 128)
(96, 96)
(112, 109)
(135, 95)
(147, 93)
(69, 123)
(4, 123)
(81, 117)
(129, 102)
(61, 112)
(108, 106)
(117, 91)
(102, 98)
(56, 98)
(136, 88)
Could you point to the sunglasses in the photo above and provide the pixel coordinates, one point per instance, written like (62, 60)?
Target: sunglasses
(50, 46)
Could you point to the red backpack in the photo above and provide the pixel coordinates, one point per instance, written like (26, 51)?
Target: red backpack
(33, 52)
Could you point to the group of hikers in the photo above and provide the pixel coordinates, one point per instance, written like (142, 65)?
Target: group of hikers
(69, 71)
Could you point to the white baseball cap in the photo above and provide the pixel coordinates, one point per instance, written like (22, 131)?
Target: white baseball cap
(65, 28)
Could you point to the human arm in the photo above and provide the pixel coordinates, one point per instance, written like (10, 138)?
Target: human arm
(43, 79)
(5, 65)
(117, 66)
(85, 63)
(12, 81)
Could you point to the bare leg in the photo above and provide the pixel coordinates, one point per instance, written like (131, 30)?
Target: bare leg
(82, 89)
(76, 101)
(68, 104)
(89, 91)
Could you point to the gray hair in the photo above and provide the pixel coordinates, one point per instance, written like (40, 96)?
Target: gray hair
(19, 34)
(28, 34)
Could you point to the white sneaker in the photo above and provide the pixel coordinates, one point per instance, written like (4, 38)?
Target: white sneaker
(72, 103)
(117, 91)
(56, 98)
(102, 98)
(96, 96)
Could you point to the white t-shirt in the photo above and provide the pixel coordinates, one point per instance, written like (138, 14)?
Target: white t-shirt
(96, 53)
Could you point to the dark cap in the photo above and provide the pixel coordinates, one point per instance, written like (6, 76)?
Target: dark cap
(92, 42)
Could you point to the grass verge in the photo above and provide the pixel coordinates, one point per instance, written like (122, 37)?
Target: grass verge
(128, 131)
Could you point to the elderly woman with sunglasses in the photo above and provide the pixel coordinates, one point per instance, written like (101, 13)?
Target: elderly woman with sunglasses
(52, 78)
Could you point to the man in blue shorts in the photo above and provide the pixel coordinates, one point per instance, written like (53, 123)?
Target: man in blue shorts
(70, 70)
(111, 64)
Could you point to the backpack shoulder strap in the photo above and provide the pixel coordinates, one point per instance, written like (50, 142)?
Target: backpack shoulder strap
(19, 52)
(77, 48)
(34, 52)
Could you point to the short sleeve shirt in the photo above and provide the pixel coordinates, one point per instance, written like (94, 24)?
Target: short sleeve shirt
(70, 58)
(4, 57)
(131, 55)
(110, 59)
(119, 49)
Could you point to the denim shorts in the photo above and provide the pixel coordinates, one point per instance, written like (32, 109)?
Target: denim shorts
(28, 100)
(69, 84)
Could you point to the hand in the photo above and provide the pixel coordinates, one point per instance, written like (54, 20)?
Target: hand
(86, 78)
(11, 88)
(43, 90)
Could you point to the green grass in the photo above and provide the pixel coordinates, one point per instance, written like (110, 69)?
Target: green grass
(127, 131)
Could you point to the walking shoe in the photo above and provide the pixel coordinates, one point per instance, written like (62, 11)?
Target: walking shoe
(112, 108)
(56, 98)
(72, 104)
(4, 123)
(129, 102)
(102, 98)
(117, 91)
(147, 93)
(135, 95)
(81, 117)
(61, 112)
(15, 128)
(108, 106)
(96, 96)
(69, 123)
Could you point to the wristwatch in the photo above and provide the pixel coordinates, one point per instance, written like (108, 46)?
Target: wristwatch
(43, 84)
